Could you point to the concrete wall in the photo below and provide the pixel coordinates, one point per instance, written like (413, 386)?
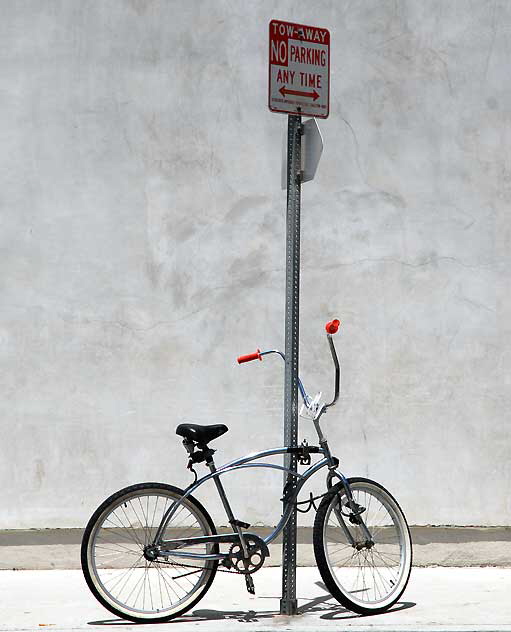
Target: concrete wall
(142, 249)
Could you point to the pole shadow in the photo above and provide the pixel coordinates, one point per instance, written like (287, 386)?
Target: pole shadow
(323, 605)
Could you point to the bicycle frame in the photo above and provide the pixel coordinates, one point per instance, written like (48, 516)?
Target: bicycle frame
(169, 546)
(290, 491)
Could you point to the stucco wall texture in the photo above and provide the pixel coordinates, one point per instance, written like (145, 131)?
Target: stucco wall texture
(143, 249)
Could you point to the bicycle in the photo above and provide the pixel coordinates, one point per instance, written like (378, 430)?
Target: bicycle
(150, 551)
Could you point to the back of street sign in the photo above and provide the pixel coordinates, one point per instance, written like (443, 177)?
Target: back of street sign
(312, 148)
(299, 69)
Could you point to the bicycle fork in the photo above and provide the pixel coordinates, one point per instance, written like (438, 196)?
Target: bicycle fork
(355, 508)
(333, 462)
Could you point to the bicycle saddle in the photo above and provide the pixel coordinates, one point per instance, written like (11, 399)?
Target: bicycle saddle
(201, 434)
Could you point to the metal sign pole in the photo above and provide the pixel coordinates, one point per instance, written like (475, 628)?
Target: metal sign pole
(288, 603)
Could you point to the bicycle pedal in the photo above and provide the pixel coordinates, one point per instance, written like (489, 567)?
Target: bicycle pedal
(249, 582)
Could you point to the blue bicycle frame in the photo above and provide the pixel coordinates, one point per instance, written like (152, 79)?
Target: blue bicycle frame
(239, 464)
(291, 491)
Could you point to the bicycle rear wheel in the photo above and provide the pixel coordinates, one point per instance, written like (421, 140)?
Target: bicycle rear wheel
(113, 562)
(364, 579)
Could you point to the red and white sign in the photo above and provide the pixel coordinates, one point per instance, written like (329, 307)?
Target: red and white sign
(299, 69)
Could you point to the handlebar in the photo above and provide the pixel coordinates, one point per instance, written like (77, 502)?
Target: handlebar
(250, 357)
(332, 327)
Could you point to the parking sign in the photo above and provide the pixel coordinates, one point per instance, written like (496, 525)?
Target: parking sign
(299, 69)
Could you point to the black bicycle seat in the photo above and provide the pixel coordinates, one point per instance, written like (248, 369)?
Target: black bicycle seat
(201, 434)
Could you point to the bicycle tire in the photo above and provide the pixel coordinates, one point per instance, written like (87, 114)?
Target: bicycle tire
(343, 568)
(111, 537)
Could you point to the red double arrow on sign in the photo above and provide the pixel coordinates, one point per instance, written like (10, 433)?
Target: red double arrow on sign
(298, 93)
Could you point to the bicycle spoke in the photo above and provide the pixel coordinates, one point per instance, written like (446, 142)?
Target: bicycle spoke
(116, 552)
(155, 507)
(165, 580)
(151, 594)
(130, 526)
(146, 527)
(142, 544)
(120, 525)
(159, 586)
(141, 582)
(126, 574)
(113, 542)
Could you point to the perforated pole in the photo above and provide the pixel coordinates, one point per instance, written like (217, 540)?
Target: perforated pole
(288, 603)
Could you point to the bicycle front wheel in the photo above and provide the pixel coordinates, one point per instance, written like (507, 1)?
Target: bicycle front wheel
(365, 577)
(119, 574)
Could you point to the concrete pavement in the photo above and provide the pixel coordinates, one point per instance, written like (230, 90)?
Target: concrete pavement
(446, 599)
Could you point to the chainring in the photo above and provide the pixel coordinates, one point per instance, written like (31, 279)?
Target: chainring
(255, 558)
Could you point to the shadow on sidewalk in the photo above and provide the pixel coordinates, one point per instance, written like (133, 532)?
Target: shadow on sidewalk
(324, 605)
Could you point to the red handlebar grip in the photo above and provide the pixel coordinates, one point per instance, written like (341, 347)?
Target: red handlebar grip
(332, 326)
(250, 357)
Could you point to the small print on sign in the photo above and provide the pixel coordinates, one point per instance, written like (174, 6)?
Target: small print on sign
(299, 69)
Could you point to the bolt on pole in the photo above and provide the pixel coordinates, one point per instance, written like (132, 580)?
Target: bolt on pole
(288, 603)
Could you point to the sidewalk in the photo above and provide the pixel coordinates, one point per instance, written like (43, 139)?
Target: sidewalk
(446, 599)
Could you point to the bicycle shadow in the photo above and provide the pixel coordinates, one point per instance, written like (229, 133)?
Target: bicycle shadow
(318, 605)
